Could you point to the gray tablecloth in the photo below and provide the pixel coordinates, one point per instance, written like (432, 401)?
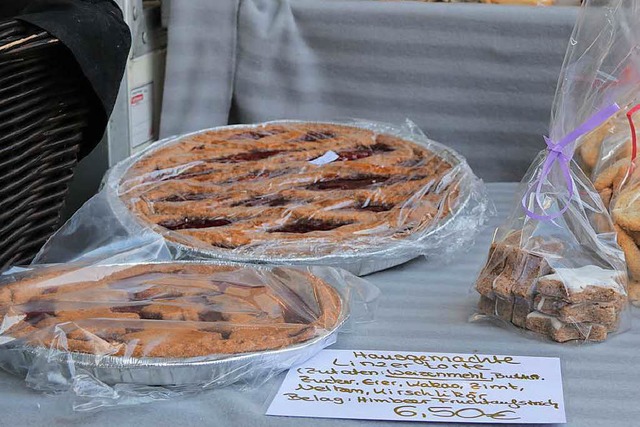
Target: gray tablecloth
(477, 77)
(424, 307)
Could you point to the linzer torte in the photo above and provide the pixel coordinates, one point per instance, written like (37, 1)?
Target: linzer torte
(176, 310)
(290, 188)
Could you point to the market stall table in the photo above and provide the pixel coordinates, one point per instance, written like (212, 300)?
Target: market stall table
(424, 307)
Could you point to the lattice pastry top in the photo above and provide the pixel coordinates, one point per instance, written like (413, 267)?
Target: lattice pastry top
(266, 190)
(175, 310)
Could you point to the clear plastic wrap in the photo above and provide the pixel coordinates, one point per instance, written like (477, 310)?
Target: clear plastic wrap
(362, 196)
(131, 333)
(554, 267)
(610, 154)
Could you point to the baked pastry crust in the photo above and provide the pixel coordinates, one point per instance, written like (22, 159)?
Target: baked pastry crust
(254, 189)
(173, 310)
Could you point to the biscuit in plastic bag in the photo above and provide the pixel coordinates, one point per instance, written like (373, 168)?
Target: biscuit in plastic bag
(554, 267)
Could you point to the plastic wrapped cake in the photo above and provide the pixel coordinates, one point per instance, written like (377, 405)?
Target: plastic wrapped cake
(187, 325)
(362, 196)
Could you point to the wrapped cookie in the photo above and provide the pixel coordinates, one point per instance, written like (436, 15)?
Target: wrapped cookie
(117, 334)
(554, 268)
(617, 180)
(609, 155)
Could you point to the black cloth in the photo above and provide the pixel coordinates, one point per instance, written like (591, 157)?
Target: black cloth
(97, 36)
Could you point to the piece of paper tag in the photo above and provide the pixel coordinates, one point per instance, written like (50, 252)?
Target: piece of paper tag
(328, 157)
(413, 386)
(141, 115)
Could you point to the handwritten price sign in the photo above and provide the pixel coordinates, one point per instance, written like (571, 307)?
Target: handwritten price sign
(437, 387)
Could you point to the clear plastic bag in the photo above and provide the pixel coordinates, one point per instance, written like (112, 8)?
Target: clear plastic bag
(554, 267)
(131, 333)
(613, 150)
(362, 196)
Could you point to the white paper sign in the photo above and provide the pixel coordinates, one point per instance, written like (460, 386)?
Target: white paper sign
(141, 115)
(436, 387)
(328, 157)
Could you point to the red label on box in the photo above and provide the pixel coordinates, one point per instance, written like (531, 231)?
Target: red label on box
(137, 98)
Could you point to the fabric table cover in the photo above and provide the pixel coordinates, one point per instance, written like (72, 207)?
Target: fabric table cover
(477, 77)
(424, 307)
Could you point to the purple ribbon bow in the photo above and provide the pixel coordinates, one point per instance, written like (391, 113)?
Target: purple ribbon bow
(556, 154)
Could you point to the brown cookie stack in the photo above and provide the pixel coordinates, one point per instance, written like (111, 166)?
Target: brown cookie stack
(520, 287)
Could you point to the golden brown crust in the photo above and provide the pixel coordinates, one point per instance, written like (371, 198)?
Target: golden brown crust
(626, 208)
(172, 342)
(605, 195)
(613, 176)
(589, 149)
(634, 292)
(172, 310)
(631, 252)
(261, 188)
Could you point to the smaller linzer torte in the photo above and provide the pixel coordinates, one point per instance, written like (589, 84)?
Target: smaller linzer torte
(173, 310)
(296, 189)
(564, 304)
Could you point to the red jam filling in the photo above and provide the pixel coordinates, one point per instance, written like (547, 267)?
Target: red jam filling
(364, 152)
(186, 197)
(303, 226)
(253, 135)
(34, 317)
(348, 183)
(151, 316)
(380, 207)
(195, 222)
(272, 201)
(247, 157)
(210, 316)
(313, 136)
(137, 309)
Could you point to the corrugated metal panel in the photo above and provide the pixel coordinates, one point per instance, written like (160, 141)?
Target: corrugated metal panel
(478, 78)
(200, 65)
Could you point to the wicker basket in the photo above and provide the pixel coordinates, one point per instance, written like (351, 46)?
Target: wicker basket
(43, 115)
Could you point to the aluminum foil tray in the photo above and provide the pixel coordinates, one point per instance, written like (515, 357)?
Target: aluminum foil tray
(215, 370)
(206, 371)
